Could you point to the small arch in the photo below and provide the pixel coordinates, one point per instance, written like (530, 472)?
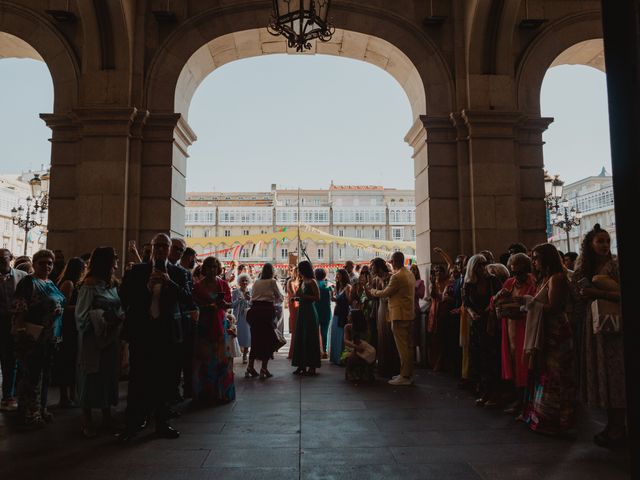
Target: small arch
(27, 34)
(558, 42)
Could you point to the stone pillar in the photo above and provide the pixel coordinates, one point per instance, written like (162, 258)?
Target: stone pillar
(493, 179)
(163, 172)
(433, 139)
(89, 178)
(532, 224)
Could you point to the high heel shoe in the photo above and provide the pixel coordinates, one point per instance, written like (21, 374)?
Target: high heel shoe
(298, 371)
(264, 373)
(251, 373)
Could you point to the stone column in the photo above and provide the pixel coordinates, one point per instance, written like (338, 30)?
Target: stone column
(433, 139)
(89, 178)
(494, 179)
(532, 224)
(166, 138)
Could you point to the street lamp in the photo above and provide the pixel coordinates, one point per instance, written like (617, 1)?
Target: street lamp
(560, 214)
(301, 21)
(36, 205)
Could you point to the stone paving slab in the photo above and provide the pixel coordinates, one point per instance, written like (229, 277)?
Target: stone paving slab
(322, 428)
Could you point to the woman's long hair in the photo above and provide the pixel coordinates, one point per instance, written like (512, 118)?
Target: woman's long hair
(267, 272)
(342, 279)
(73, 271)
(549, 260)
(588, 257)
(380, 266)
(470, 275)
(306, 270)
(101, 265)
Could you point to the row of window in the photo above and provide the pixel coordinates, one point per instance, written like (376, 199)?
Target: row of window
(397, 233)
(594, 201)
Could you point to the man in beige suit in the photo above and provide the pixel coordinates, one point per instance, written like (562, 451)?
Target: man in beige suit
(400, 292)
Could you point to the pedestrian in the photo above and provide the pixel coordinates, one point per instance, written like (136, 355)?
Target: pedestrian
(265, 294)
(99, 316)
(9, 279)
(151, 294)
(37, 324)
(324, 308)
(240, 301)
(306, 350)
(342, 298)
(400, 292)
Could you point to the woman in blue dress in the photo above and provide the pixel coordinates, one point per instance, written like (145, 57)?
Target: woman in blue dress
(37, 325)
(324, 307)
(99, 318)
(240, 300)
(342, 297)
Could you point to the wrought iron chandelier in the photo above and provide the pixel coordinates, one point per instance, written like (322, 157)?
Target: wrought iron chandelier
(301, 21)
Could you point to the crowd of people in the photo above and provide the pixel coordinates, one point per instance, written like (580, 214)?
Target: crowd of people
(536, 333)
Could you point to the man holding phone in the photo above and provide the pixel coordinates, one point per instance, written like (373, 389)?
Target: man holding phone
(151, 294)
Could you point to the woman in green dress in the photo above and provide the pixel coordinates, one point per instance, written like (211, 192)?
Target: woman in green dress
(99, 318)
(306, 346)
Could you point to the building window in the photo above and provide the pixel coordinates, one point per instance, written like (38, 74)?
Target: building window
(397, 233)
(284, 253)
(227, 233)
(376, 234)
(358, 233)
(321, 253)
(340, 254)
(357, 253)
(189, 233)
(205, 232)
(341, 233)
(246, 253)
(245, 232)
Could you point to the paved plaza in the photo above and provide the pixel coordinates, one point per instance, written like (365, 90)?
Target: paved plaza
(317, 428)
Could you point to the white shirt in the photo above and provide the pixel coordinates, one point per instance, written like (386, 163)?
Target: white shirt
(266, 291)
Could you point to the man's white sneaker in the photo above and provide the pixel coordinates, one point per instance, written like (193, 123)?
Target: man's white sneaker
(395, 377)
(401, 381)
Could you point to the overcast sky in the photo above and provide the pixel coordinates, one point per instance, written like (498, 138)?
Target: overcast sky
(307, 120)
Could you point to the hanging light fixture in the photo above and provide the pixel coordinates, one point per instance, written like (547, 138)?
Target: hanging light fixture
(301, 21)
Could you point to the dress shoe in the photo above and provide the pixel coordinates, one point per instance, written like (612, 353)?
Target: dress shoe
(401, 381)
(167, 431)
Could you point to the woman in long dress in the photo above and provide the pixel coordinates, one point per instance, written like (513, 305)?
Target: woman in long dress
(387, 352)
(306, 349)
(265, 295)
(292, 287)
(602, 379)
(484, 341)
(342, 299)
(99, 318)
(240, 299)
(212, 368)
(551, 393)
(324, 308)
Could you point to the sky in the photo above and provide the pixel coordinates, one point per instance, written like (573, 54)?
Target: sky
(307, 120)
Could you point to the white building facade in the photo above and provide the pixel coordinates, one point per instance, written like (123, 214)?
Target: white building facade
(367, 212)
(14, 190)
(593, 196)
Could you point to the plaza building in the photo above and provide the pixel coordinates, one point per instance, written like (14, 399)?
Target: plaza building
(14, 191)
(593, 197)
(351, 212)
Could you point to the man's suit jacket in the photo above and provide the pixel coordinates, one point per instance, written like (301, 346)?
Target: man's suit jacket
(17, 276)
(136, 299)
(400, 292)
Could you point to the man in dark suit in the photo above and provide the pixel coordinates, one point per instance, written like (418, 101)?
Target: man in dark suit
(151, 294)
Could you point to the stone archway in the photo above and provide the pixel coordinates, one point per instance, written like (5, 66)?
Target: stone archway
(25, 34)
(223, 35)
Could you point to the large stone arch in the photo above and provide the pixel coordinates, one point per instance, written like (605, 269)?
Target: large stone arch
(372, 34)
(47, 44)
(398, 40)
(559, 43)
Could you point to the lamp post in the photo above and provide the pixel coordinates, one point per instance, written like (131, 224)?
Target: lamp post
(560, 214)
(25, 217)
(301, 21)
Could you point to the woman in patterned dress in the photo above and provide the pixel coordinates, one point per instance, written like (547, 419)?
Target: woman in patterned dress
(602, 378)
(551, 392)
(212, 368)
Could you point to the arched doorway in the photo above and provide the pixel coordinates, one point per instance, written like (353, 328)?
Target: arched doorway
(191, 53)
(24, 34)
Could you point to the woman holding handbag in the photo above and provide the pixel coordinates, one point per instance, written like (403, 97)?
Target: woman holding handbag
(99, 318)
(260, 316)
(37, 326)
(550, 405)
(601, 358)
